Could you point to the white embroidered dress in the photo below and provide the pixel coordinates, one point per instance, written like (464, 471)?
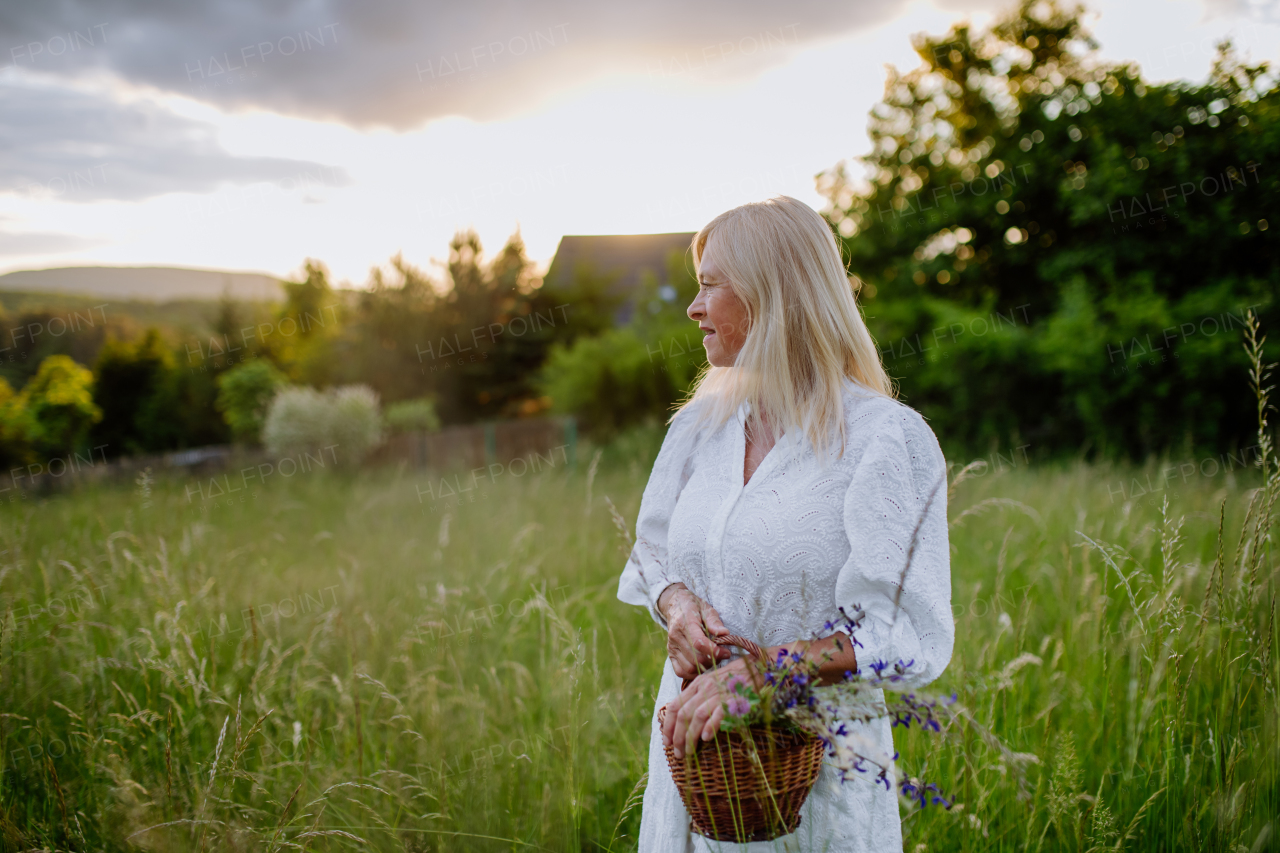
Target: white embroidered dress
(776, 557)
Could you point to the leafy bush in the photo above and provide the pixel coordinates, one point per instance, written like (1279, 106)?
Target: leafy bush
(634, 374)
(345, 418)
(244, 393)
(413, 416)
(52, 415)
(613, 381)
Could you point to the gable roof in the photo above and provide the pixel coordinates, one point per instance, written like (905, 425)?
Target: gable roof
(628, 255)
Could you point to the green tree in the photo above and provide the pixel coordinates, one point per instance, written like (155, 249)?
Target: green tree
(138, 390)
(307, 302)
(34, 334)
(300, 338)
(500, 309)
(14, 447)
(56, 408)
(636, 373)
(385, 326)
(198, 419)
(244, 393)
(474, 341)
(1056, 250)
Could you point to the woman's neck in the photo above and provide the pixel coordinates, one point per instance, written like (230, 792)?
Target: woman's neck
(758, 444)
(762, 428)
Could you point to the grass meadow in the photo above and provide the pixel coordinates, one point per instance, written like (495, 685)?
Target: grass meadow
(337, 661)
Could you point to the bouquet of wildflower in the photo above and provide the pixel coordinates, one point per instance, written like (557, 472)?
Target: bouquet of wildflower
(786, 694)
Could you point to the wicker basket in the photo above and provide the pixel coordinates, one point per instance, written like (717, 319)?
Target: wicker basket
(748, 786)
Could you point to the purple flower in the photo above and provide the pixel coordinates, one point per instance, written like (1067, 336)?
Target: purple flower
(738, 706)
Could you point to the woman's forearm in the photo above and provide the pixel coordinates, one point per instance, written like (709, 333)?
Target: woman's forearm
(834, 655)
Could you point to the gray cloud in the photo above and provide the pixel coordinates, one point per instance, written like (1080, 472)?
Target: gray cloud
(398, 63)
(18, 243)
(67, 145)
(1265, 11)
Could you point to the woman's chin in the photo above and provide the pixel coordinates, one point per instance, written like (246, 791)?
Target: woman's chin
(716, 355)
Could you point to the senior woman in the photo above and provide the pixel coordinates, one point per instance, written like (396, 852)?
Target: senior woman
(790, 484)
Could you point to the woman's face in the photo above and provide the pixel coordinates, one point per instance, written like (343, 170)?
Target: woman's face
(718, 311)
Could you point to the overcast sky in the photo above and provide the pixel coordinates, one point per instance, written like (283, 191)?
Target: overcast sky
(252, 134)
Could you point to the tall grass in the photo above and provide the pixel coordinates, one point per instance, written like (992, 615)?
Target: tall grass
(331, 661)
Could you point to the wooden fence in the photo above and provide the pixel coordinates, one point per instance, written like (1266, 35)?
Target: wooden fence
(543, 441)
(469, 447)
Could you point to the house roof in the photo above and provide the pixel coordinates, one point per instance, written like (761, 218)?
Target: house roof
(628, 255)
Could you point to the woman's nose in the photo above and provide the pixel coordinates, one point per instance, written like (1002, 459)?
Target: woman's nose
(695, 310)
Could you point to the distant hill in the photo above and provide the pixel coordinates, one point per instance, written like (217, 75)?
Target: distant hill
(158, 284)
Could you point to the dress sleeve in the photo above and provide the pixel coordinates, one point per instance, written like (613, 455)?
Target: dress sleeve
(647, 572)
(898, 474)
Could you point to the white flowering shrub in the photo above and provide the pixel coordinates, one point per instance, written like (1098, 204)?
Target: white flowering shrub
(347, 419)
(355, 421)
(296, 419)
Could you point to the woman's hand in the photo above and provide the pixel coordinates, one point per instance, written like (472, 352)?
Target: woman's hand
(691, 623)
(700, 707)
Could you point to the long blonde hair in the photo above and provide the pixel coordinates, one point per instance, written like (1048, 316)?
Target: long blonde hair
(805, 336)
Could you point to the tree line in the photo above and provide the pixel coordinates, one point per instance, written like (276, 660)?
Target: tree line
(1050, 252)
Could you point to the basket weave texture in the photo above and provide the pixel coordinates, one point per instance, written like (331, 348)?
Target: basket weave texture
(746, 786)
